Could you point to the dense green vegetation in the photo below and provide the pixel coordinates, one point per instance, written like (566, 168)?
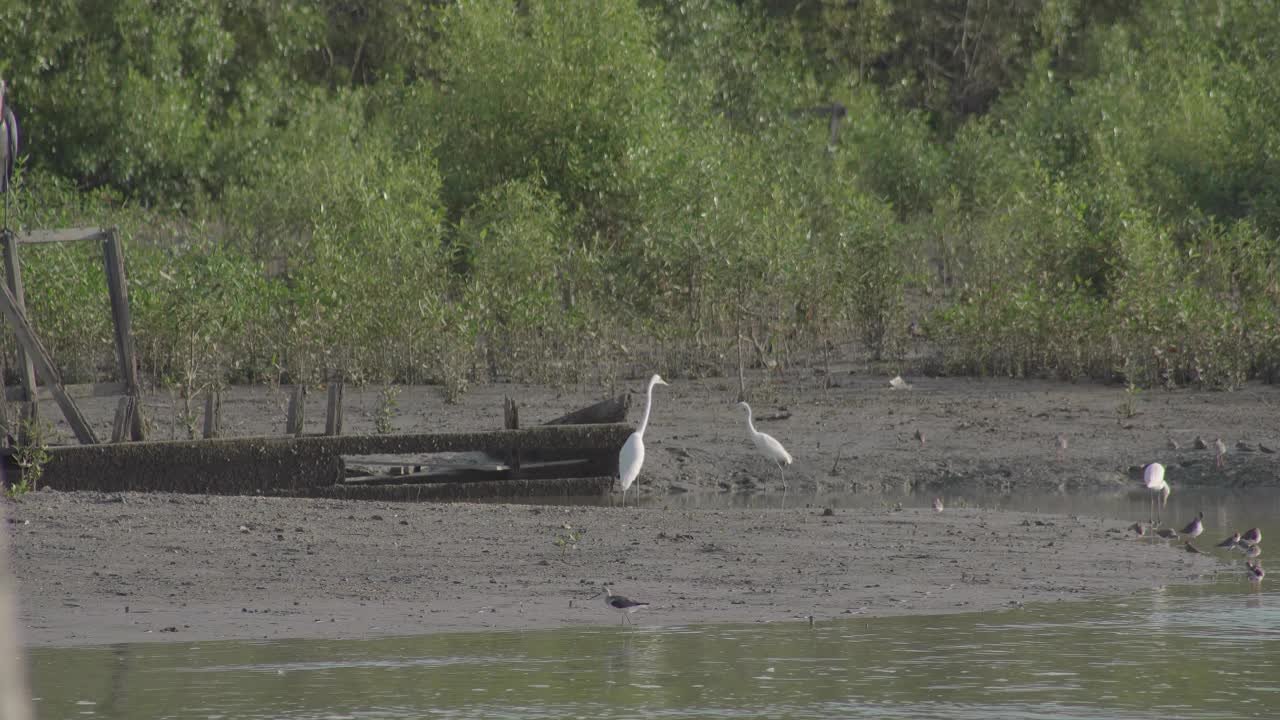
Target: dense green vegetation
(550, 191)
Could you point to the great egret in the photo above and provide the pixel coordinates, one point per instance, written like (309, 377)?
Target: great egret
(632, 455)
(8, 148)
(1153, 478)
(1219, 451)
(1195, 527)
(768, 447)
(624, 605)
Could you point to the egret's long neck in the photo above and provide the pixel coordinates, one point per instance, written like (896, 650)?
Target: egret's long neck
(648, 405)
(750, 423)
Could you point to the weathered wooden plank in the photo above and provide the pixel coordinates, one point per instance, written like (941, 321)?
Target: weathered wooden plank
(213, 414)
(66, 235)
(564, 469)
(333, 411)
(123, 419)
(44, 366)
(15, 393)
(13, 276)
(297, 409)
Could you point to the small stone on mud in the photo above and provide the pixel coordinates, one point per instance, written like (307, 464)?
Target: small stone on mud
(828, 512)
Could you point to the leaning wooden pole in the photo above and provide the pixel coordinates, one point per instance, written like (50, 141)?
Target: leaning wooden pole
(44, 366)
(27, 370)
(126, 355)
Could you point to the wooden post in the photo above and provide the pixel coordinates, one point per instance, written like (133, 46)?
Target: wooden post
(118, 290)
(44, 366)
(213, 414)
(124, 419)
(297, 404)
(30, 407)
(511, 421)
(333, 413)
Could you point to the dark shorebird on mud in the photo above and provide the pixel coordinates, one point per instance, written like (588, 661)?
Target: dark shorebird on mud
(624, 605)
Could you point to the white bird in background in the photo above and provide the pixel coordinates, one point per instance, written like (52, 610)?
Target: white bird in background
(632, 455)
(1153, 478)
(768, 447)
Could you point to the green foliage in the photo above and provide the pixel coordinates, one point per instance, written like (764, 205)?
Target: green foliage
(450, 191)
(30, 455)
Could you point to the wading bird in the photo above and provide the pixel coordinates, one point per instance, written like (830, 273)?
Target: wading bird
(1062, 446)
(1195, 527)
(8, 148)
(1230, 542)
(937, 504)
(1256, 573)
(1153, 479)
(768, 447)
(624, 605)
(1252, 536)
(632, 455)
(1253, 551)
(1219, 452)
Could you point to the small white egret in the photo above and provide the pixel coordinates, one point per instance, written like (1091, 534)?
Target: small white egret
(1153, 478)
(768, 447)
(1062, 446)
(1219, 452)
(624, 605)
(631, 456)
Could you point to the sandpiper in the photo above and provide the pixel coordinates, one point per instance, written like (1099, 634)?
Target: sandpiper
(1252, 536)
(1200, 444)
(1138, 529)
(1193, 549)
(624, 605)
(1195, 527)
(1167, 534)
(1062, 446)
(1256, 573)
(1219, 451)
(1253, 551)
(1230, 542)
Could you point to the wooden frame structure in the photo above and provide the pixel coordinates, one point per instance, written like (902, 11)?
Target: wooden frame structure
(35, 362)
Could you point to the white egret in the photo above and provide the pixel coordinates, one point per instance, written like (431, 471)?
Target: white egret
(768, 447)
(632, 455)
(624, 605)
(8, 149)
(1062, 446)
(1219, 452)
(1153, 478)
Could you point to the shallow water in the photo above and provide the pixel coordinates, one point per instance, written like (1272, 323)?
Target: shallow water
(1208, 651)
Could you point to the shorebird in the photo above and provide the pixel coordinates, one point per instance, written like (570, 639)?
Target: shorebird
(1193, 549)
(1230, 542)
(1195, 527)
(1167, 534)
(768, 447)
(624, 605)
(1253, 551)
(1062, 446)
(1252, 536)
(1172, 444)
(1219, 451)
(1200, 444)
(1256, 573)
(1153, 479)
(937, 504)
(632, 455)
(1139, 529)
(920, 437)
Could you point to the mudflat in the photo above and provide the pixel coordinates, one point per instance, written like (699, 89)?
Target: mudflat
(108, 568)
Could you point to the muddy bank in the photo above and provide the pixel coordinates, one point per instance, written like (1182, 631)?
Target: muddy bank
(848, 431)
(111, 568)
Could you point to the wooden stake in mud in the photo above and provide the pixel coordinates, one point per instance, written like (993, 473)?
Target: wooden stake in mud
(44, 366)
(118, 290)
(333, 413)
(213, 414)
(124, 419)
(511, 421)
(297, 404)
(13, 276)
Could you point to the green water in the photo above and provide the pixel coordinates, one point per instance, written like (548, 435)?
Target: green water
(1205, 652)
(1209, 651)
